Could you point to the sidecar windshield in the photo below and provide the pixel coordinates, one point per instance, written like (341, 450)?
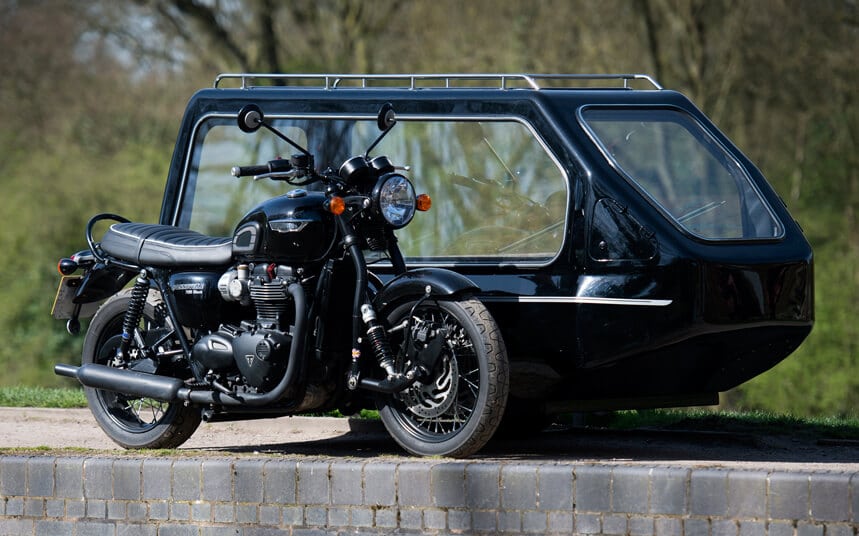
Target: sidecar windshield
(498, 193)
(683, 170)
(213, 200)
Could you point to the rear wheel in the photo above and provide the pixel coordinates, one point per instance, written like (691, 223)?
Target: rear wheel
(133, 422)
(457, 408)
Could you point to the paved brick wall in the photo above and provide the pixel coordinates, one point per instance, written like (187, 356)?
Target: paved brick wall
(176, 496)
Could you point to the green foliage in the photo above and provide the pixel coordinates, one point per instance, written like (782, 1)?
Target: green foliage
(89, 107)
(731, 421)
(48, 224)
(42, 397)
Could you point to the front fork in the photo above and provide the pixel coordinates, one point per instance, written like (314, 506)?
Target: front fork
(422, 363)
(363, 314)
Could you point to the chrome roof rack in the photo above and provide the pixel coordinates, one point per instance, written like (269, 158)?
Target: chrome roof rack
(433, 81)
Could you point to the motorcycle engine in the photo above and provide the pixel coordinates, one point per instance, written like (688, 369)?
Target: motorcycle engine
(258, 348)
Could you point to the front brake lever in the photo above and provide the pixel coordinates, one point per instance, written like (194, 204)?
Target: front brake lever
(278, 175)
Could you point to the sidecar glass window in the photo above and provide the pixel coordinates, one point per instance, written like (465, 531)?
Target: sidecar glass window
(497, 193)
(687, 173)
(213, 200)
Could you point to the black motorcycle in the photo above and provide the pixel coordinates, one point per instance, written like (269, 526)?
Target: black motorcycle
(284, 317)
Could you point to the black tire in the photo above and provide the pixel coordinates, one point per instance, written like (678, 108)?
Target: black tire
(133, 422)
(458, 412)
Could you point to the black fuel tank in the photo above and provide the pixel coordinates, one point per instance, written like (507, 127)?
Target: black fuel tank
(292, 228)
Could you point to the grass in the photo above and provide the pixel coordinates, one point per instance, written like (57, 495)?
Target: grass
(41, 397)
(732, 421)
(365, 414)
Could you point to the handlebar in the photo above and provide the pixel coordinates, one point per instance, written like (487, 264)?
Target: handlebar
(273, 166)
(299, 171)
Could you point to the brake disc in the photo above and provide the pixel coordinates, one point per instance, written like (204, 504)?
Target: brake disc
(432, 400)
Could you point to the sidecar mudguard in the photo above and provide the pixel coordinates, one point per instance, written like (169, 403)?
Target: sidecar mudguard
(444, 284)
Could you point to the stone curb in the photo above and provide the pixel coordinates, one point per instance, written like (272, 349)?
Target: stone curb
(47, 495)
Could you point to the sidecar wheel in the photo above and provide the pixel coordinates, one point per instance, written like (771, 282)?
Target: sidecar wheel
(132, 422)
(458, 410)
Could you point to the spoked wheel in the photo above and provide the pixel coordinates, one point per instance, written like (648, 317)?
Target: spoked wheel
(456, 409)
(130, 421)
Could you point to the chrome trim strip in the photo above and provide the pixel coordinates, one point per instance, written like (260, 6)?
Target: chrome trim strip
(590, 300)
(288, 226)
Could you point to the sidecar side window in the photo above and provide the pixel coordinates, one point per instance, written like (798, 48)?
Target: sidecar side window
(684, 171)
(498, 194)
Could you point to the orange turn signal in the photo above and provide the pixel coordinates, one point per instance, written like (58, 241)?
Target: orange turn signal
(336, 205)
(423, 202)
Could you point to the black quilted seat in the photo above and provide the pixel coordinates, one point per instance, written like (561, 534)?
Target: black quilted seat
(165, 245)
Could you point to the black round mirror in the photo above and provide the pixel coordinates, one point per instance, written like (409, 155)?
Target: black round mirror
(250, 118)
(386, 118)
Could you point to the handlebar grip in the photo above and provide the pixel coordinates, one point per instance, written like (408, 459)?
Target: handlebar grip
(247, 171)
(273, 166)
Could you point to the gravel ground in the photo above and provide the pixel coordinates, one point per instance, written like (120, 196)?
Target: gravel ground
(75, 429)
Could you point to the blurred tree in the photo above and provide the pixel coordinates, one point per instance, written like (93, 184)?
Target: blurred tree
(92, 93)
(74, 141)
(270, 37)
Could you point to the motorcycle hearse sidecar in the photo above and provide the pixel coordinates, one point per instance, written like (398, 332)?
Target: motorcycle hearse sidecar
(630, 253)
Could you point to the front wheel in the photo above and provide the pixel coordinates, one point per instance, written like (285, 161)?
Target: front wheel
(457, 408)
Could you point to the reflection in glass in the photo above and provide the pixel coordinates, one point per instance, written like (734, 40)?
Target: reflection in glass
(496, 192)
(686, 172)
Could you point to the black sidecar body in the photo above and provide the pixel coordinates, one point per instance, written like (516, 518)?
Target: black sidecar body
(631, 253)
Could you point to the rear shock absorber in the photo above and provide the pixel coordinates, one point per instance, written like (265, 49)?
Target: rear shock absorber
(378, 340)
(132, 315)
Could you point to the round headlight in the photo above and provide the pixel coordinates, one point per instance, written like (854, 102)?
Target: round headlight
(394, 198)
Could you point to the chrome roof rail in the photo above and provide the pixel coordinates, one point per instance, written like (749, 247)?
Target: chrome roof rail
(431, 81)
